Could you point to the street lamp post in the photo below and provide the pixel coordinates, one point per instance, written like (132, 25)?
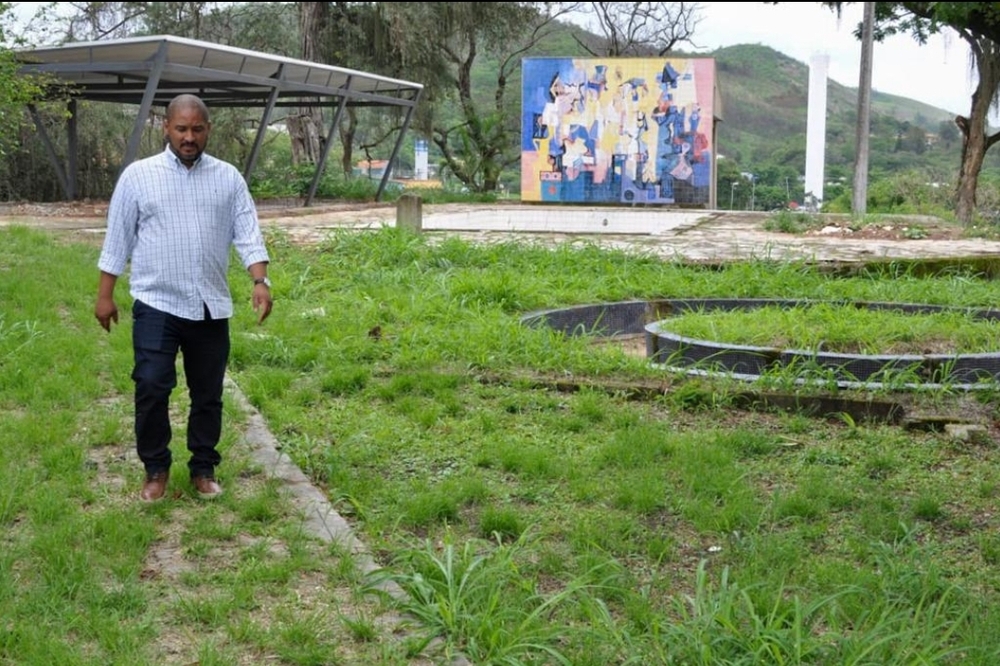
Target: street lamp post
(753, 192)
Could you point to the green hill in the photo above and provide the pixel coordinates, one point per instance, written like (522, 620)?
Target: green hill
(764, 103)
(764, 108)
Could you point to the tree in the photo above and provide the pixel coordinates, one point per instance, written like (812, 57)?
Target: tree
(93, 21)
(978, 24)
(975, 139)
(473, 123)
(357, 35)
(948, 132)
(15, 91)
(641, 28)
(306, 126)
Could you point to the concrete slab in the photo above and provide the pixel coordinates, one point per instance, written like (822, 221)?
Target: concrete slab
(576, 220)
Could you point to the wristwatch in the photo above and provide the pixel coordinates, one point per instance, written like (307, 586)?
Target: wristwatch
(262, 280)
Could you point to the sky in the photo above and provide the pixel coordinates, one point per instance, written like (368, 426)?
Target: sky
(936, 73)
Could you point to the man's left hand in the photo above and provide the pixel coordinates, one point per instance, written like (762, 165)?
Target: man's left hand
(262, 302)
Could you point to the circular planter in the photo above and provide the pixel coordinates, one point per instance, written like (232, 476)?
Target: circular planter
(674, 351)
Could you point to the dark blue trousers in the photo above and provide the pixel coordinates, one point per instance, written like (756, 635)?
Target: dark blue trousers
(157, 337)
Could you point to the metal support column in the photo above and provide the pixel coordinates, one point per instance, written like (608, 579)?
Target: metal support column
(152, 84)
(395, 149)
(264, 122)
(50, 149)
(326, 147)
(72, 151)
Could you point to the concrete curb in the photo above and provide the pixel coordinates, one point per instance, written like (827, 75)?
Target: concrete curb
(319, 517)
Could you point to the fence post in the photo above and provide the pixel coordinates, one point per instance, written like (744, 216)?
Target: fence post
(409, 214)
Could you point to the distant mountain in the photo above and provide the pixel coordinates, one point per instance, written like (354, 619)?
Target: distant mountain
(764, 97)
(764, 108)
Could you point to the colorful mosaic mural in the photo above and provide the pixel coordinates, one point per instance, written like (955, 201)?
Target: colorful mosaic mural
(625, 130)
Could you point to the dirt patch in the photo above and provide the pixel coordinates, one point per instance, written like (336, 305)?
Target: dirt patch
(908, 228)
(98, 209)
(67, 209)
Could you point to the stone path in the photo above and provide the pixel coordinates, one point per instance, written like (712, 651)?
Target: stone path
(693, 235)
(702, 236)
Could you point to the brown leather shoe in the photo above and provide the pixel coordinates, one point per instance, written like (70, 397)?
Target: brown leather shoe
(154, 487)
(207, 487)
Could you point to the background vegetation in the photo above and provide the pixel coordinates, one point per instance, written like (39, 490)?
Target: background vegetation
(915, 148)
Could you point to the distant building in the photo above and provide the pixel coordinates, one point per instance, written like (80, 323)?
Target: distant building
(371, 168)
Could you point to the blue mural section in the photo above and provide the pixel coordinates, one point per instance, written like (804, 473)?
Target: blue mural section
(627, 130)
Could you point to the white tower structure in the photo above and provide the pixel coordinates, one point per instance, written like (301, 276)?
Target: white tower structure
(819, 65)
(420, 171)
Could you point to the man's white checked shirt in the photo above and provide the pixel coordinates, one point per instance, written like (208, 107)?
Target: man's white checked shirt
(177, 227)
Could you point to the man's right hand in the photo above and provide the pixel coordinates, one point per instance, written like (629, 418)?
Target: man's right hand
(106, 312)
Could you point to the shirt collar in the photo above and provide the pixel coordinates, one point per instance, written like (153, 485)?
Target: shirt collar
(176, 161)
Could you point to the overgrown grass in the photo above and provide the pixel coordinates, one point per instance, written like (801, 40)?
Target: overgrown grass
(844, 328)
(88, 575)
(792, 222)
(525, 522)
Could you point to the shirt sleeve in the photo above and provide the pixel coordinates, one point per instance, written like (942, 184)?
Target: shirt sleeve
(247, 236)
(123, 218)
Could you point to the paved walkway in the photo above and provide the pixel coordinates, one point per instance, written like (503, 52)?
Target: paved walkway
(694, 235)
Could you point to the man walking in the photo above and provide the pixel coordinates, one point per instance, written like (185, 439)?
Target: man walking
(174, 217)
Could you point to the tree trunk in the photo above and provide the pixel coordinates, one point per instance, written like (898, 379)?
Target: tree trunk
(304, 132)
(863, 129)
(347, 131)
(306, 127)
(975, 141)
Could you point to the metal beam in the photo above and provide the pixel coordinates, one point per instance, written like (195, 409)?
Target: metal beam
(321, 165)
(120, 67)
(198, 78)
(264, 121)
(291, 87)
(72, 151)
(395, 149)
(156, 65)
(50, 149)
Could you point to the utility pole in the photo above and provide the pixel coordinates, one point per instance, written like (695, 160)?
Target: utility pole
(860, 199)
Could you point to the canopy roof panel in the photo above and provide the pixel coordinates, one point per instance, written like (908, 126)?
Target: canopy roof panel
(118, 71)
(151, 71)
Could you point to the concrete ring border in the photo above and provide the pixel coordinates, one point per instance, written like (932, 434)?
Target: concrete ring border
(703, 357)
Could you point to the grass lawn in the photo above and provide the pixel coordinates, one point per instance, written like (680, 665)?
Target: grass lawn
(526, 523)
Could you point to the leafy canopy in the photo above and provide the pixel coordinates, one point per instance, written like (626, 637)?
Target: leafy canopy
(15, 91)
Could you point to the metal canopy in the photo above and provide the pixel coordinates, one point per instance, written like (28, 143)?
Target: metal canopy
(150, 71)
